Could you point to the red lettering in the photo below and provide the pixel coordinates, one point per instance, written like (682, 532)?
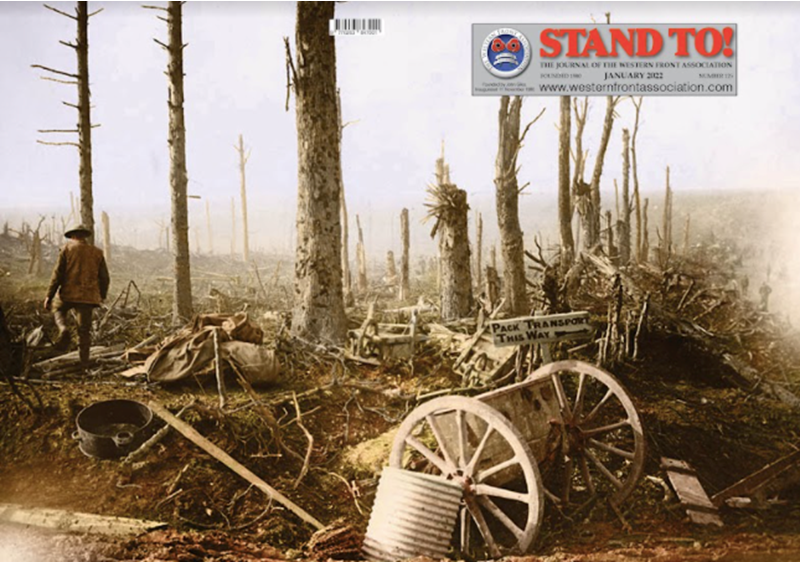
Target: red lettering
(716, 42)
(595, 43)
(625, 43)
(658, 42)
(548, 39)
(572, 35)
(682, 34)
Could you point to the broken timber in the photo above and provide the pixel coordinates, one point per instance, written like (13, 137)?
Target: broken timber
(693, 497)
(772, 477)
(75, 521)
(192, 435)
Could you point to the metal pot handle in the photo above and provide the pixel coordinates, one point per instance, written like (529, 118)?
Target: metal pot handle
(76, 435)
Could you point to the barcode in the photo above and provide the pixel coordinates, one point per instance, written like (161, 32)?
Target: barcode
(356, 26)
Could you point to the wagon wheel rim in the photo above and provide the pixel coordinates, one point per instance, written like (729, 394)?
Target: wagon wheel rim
(601, 439)
(505, 516)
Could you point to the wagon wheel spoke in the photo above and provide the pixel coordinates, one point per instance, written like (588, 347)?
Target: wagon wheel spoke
(480, 522)
(432, 457)
(568, 470)
(562, 398)
(465, 527)
(579, 395)
(603, 469)
(437, 433)
(501, 516)
(494, 491)
(476, 456)
(606, 428)
(599, 405)
(594, 443)
(462, 438)
(489, 472)
(587, 476)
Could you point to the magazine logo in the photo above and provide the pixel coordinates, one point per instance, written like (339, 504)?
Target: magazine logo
(506, 52)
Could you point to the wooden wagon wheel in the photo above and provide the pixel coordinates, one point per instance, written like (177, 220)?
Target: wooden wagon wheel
(471, 443)
(601, 448)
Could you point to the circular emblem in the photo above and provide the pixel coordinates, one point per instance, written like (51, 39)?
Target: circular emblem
(506, 52)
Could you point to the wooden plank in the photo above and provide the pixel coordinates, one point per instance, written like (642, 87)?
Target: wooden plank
(752, 483)
(528, 330)
(75, 521)
(192, 435)
(691, 493)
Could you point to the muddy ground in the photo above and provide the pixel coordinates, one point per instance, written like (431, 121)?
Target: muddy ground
(689, 402)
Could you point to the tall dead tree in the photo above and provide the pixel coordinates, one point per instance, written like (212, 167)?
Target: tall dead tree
(686, 235)
(625, 219)
(361, 259)
(645, 234)
(581, 191)
(507, 192)
(478, 250)
(178, 177)
(593, 216)
(636, 197)
(448, 207)
(665, 249)
(405, 237)
(243, 158)
(564, 199)
(84, 128)
(319, 300)
(347, 278)
(106, 236)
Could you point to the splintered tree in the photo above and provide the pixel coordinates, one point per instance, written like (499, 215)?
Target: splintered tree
(106, 236)
(665, 249)
(178, 178)
(84, 129)
(448, 207)
(625, 219)
(636, 197)
(361, 259)
(319, 308)
(243, 158)
(405, 237)
(564, 199)
(593, 217)
(507, 196)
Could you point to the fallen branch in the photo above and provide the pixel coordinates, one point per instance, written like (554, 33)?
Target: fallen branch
(307, 458)
(192, 435)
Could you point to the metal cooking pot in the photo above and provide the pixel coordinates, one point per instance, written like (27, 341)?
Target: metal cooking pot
(113, 428)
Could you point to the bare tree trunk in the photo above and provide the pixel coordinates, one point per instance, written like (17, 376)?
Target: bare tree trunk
(391, 269)
(493, 257)
(645, 234)
(594, 222)
(182, 301)
(507, 198)
(636, 198)
(625, 231)
(479, 251)
(106, 236)
(405, 285)
(612, 249)
(665, 250)
(451, 210)
(208, 229)
(564, 199)
(361, 259)
(581, 191)
(84, 118)
(347, 280)
(243, 158)
(233, 228)
(319, 306)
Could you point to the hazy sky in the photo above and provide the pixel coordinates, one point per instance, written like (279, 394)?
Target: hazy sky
(408, 89)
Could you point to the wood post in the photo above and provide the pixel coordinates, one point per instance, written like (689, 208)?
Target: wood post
(405, 285)
(106, 236)
(243, 158)
(361, 259)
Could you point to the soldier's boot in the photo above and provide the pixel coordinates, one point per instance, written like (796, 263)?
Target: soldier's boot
(64, 339)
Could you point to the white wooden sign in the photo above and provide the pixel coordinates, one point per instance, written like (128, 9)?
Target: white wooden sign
(540, 329)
